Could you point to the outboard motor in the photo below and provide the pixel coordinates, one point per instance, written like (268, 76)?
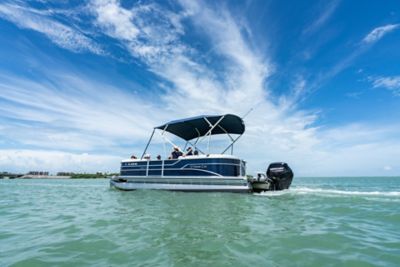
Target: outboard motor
(280, 175)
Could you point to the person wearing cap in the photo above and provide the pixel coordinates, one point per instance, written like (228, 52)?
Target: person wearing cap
(176, 153)
(189, 151)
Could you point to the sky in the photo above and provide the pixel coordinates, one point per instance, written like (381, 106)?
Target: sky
(83, 83)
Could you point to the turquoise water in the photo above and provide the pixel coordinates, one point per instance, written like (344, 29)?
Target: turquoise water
(318, 222)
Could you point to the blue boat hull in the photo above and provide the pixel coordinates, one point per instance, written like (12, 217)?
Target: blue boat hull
(196, 173)
(187, 167)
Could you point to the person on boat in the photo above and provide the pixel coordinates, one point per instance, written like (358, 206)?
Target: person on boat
(159, 157)
(147, 156)
(196, 152)
(133, 157)
(176, 153)
(189, 151)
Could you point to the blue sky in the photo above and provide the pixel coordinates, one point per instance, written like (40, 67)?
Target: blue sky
(82, 83)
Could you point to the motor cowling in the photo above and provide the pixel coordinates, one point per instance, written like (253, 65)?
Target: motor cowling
(280, 175)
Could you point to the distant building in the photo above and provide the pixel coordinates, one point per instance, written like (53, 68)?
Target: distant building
(38, 173)
(65, 173)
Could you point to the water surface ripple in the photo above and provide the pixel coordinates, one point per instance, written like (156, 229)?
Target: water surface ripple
(318, 222)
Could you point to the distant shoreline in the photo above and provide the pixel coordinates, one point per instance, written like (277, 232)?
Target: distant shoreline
(6, 176)
(44, 177)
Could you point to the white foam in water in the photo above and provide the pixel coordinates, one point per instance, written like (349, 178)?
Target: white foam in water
(344, 192)
(274, 193)
(321, 191)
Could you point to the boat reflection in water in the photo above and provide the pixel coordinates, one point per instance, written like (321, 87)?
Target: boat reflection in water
(200, 171)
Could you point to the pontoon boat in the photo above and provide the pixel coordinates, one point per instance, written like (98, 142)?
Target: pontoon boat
(200, 171)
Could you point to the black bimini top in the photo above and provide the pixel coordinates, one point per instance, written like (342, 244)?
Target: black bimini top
(195, 127)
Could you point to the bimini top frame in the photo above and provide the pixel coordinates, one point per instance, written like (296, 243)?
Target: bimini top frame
(202, 126)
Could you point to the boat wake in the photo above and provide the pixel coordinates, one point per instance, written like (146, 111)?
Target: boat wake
(330, 192)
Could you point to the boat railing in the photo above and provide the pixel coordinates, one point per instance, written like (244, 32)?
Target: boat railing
(242, 168)
(148, 169)
(187, 157)
(162, 168)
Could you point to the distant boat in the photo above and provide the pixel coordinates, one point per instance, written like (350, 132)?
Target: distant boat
(200, 171)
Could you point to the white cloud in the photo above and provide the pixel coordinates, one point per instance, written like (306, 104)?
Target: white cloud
(350, 150)
(196, 88)
(298, 93)
(390, 83)
(116, 21)
(54, 161)
(158, 44)
(70, 113)
(354, 95)
(377, 33)
(324, 16)
(355, 149)
(148, 31)
(387, 168)
(348, 60)
(62, 35)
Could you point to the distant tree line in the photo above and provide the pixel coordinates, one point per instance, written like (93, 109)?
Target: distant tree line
(96, 175)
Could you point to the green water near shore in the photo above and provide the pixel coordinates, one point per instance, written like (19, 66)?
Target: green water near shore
(318, 222)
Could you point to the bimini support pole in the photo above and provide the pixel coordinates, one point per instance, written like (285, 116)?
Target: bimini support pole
(211, 127)
(194, 145)
(230, 137)
(165, 149)
(198, 149)
(169, 141)
(231, 145)
(184, 149)
(210, 131)
(148, 143)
